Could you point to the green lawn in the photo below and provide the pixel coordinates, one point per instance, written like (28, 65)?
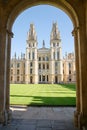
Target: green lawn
(42, 94)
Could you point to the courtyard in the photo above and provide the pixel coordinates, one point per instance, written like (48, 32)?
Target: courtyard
(43, 94)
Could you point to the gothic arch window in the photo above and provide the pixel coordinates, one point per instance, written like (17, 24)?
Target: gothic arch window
(69, 65)
(53, 44)
(31, 79)
(33, 55)
(39, 77)
(47, 66)
(29, 55)
(11, 65)
(39, 66)
(58, 55)
(18, 78)
(39, 58)
(69, 71)
(54, 55)
(43, 58)
(29, 45)
(47, 78)
(30, 71)
(11, 78)
(18, 65)
(57, 44)
(43, 66)
(11, 71)
(18, 71)
(56, 64)
(31, 64)
(47, 58)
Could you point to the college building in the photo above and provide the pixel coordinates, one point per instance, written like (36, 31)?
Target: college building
(43, 65)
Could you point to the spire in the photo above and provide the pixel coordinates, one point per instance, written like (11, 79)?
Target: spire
(32, 33)
(43, 44)
(21, 55)
(55, 34)
(15, 55)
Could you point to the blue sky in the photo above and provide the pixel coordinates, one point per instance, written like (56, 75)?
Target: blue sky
(42, 16)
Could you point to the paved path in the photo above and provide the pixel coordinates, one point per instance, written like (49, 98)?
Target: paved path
(41, 118)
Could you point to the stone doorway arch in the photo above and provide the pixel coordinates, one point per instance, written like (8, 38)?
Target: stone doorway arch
(12, 10)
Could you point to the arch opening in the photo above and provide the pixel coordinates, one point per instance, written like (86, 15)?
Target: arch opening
(62, 5)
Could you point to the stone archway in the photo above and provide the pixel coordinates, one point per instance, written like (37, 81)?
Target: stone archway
(12, 10)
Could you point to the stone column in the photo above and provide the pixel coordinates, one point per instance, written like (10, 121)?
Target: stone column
(2, 69)
(75, 33)
(83, 67)
(10, 35)
(4, 74)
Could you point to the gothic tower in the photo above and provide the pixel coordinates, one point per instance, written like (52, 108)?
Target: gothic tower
(56, 55)
(31, 73)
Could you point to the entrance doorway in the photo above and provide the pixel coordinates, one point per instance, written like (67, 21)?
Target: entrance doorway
(31, 79)
(43, 78)
(56, 79)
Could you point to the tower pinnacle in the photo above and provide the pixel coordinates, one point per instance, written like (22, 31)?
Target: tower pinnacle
(43, 44)
(32, 33)
(55, 34)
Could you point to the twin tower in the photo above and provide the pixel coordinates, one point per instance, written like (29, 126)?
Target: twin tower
(43, 65)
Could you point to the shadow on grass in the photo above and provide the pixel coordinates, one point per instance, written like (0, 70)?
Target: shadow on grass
(69, 86)
(46, 101)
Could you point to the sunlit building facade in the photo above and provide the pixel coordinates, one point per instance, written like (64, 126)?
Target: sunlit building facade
(43, 65)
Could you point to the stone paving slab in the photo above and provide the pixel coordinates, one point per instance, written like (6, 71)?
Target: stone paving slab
(41, 118)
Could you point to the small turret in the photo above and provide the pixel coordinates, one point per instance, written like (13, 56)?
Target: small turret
(43, 44)
(15, 55)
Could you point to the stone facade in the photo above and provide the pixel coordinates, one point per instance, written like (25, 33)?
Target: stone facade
(43, 65)
(69, 69)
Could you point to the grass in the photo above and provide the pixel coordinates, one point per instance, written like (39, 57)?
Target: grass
(43, 94)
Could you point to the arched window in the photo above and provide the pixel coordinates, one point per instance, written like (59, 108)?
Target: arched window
(47, 58)
(47, 66)
(11, 78)
(43, 58)
(53, 55)
(39, 66)
(53, 44)
(18, 71)
(18, 78)
(43, 66)
(11, 71)
(39, 58)
(29, 55)
(39, 77)
(33, 55)
(30, 71)
(47, 78)
(29, 45)
(31, 64)
(58, 55)
(18, 65)
(69, 65)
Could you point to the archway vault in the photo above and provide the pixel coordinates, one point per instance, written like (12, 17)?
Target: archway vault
(77, 14)
(62, 4)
